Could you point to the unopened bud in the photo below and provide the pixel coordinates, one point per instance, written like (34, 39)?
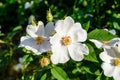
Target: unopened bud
(44, 61)
(49, 16)
(33, 23)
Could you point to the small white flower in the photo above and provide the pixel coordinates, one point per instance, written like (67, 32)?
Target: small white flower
(112, 31)
(111, 63)
(66, 42)
(19, 66)
(37, 39)
(28, 4)
(105, 44)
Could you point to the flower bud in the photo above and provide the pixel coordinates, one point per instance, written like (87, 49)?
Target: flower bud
(44, 61)
(49, 16)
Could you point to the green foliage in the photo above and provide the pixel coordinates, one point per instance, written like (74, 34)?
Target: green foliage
(59, 73)
(100, 34)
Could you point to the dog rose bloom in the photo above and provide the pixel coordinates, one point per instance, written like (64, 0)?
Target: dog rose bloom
(66, 42)
(111, 63)
(37, 39)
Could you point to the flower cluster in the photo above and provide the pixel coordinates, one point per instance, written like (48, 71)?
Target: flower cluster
(66, 40)
(66, 43)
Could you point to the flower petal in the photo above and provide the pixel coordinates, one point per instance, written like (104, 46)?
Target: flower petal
(114, 41)
(40, 31)
(97, 43)
(31, 30)
(116, 74)
(105, 57)
(68, 23)
(60, 54)
(44, 47)
(56, 39)
(30, 44)
(59, 27)
(49, 28)
(63, 26)
(77, 33)
(108, 69)
(77, 50)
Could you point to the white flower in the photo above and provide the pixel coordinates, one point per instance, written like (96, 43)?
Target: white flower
(105, 44)
(19, 66)
(112, 31)
(37, 39)
(66, 42)
(111, 63)
(28, 4)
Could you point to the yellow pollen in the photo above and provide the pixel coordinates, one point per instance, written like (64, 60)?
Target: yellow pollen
(44, 61)
(117, 62)
(39, 40)
(66, 40)
(106, 42)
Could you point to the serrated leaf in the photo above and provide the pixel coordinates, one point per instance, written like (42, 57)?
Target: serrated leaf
(100, 34)
(59, 73)
(92, 56)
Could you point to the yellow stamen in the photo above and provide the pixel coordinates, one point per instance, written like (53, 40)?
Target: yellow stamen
(39, 40)
(66, 40)
(106, 42)
(117, 62)
(44, 61)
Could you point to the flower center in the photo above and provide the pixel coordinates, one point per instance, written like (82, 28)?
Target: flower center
(39, 40)
(66, 40)
(106, 42)
(117, 62)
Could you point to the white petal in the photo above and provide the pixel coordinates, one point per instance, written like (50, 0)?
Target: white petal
(77, 33)
(40, 31)
(60, 54)
(29, 43)
(59, 27)
(44, 47)
(56, 39)
(108, 69)
(112, 53)
(49, 28)
(31, 30)
(112, 31)
(105, 57)
(97, 43)
(63, 26)
(114, 41)
(68, 23)
(116, 74)
(77, 50)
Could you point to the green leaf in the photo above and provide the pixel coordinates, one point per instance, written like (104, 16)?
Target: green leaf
(87, 25)
(59, 73)
(100, 34)
(116, 25)
(92, 56)
(44, 77)
(17, 28)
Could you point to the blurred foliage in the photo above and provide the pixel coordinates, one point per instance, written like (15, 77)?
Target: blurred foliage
(14, 18)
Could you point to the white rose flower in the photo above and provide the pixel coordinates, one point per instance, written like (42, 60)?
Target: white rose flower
(105, 44)
(37, 39)
(111, 63)
(66, 42)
